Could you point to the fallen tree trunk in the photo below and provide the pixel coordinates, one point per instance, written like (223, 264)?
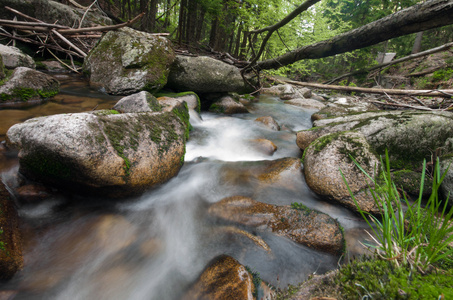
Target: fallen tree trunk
(396, 61)
(426, 93)
(420, 17)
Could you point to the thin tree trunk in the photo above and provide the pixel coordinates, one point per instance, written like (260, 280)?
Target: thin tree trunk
(420, 17)
(417, 43)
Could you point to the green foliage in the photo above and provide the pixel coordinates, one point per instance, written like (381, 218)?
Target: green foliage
(442, 75)
(416, 236)
(256, 280)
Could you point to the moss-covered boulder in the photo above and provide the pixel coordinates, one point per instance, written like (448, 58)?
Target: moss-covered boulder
(11, 259)
(127, 61)
(300, 224)
(223, 278)
(324, 159)
(408, 135)
(204, 74)
(28, 85)
(103, 152)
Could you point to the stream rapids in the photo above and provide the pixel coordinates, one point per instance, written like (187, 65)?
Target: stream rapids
(156, 245)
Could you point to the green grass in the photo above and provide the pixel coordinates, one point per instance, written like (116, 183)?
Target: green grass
(418, 236)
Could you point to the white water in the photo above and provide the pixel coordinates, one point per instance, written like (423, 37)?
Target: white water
(166, 238)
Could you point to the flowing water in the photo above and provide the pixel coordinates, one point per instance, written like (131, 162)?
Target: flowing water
(154, 246)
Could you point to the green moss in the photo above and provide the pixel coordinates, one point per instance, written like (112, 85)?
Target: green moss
(378, 279)
(299, 206)
(183, 115)
(256, 280)
(323, 141)
(25, 94)
(217, 108)
(106, 112)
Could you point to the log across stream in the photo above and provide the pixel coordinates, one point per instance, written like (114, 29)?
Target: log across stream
(155, 245)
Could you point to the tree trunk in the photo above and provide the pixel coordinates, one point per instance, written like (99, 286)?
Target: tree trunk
(420, 17)
(417, 43)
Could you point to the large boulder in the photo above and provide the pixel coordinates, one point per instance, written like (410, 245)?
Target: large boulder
(127, 61)
(324, 159)
(11, 259)
(103, 152)
(27, 85)
(52, 11)
(300, 224)
(408, 136)
(139, 102)
(203, 74)
(13, 58)
(223, 278)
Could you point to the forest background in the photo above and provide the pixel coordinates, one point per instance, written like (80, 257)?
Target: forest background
(228, 26)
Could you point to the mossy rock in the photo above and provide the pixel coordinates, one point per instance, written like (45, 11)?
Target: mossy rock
(27, 85)
(410, 181)
(103, 153)
(2, 70)
(127, 61)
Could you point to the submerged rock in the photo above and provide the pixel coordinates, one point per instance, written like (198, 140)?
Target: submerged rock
(103, 152)
(304, 226)
(324, 159)
(11, 259)
(127, 61)
(227, 105)
(204, 74)
(264, 146)
(269, 122)
(223, 278)
(13, 58)
(27, 85)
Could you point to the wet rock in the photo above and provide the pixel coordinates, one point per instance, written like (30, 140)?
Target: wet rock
(8, 295)
(102, 152)
(283, 173)
(139, 102)
(204, 74)
(304, 226)
(223, 278)
(11, 259)
(264, 146)
(323, 160)
(306, 103)
(227, 105)
(126, 61)
(13, 58)
(269, 122)
(192, 99)
(31, 193)
(27, 85)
